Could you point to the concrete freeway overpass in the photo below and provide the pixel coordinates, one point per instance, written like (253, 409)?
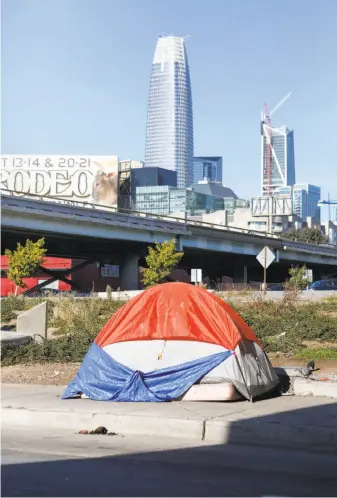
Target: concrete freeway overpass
(85, 231)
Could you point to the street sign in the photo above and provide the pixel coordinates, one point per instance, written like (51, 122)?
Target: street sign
(196, 276)
(265, 257)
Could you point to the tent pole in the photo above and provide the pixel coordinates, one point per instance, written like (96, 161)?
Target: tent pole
(243, 377)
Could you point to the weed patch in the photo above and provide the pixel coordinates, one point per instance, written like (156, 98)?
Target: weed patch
(282, 326)
(317, 353)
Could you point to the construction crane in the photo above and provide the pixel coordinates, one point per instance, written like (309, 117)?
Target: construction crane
(328, 203)
(322, 203)
(267, 132)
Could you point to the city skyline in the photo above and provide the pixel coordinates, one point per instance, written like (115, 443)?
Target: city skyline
(169, 125)
(70, 93)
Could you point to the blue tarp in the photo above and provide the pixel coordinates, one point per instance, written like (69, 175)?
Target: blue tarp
(102, 378)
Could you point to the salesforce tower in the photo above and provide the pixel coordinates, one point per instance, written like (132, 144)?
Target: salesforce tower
(169, 128)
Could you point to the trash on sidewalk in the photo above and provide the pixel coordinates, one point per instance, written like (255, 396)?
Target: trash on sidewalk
(99, 430)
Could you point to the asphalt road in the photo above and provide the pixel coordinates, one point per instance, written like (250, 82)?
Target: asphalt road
(59, 463)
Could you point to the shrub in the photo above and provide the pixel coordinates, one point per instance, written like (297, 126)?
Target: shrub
(9, 305)
(24, 261)
(82, 315)
(161, 261)
(269, 319)
(70, 348)
(279, 326)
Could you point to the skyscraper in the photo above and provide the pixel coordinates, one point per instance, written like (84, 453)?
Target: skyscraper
(280, 155)
(207, 168)
(334, 214)
(169, 128)
(312, 198)
(305, 198)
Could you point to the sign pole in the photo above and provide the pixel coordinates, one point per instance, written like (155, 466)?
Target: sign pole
(265, 258)
(265, 272)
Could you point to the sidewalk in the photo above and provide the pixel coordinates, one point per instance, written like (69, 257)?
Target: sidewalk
(305, 423)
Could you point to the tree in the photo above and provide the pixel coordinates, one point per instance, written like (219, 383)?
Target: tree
(298, 277)
(161, 260)
(25, 261)
(313, 235)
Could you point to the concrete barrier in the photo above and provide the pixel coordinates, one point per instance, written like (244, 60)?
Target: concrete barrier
(271, 295)
(33, 322)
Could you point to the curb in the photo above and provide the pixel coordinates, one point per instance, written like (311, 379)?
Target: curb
(309, 387)
(301, 386)
(213, 431)
(120, 423)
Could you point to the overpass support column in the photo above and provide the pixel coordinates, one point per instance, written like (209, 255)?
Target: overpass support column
(317, 273)
(129, 272)
(240, 274)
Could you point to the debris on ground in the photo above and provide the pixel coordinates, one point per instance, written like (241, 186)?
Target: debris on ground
(101, 430)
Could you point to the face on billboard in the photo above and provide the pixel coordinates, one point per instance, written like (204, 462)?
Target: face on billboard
(91, 179)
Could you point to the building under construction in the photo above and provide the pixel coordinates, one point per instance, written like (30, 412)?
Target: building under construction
(277, 154)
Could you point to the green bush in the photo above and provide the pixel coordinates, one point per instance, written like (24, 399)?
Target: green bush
(70, 348)
(281, 326)
(306, 321)
(329, 304)
(9, 305)
(82, 315)
(20, 303)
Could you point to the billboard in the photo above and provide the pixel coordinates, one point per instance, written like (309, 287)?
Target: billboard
(66, 179)
(272, 206)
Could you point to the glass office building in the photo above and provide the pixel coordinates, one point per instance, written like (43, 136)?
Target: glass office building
(151, 177)
(207, 168)
(169, 128)
(281, 159)
(305, 200)
(313, 196)
(165, 200)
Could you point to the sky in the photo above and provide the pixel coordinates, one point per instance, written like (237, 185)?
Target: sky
(75, 77)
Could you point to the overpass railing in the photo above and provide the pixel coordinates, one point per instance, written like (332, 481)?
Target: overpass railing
(139, 214)
(304, 246)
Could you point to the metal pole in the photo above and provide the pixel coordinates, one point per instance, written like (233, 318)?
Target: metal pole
(265, 271)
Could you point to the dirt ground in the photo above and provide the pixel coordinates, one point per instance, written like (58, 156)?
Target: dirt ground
(50, 374)
(59, 374)
(324, 366)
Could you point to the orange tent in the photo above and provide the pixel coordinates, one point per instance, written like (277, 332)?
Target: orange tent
(176, 311)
